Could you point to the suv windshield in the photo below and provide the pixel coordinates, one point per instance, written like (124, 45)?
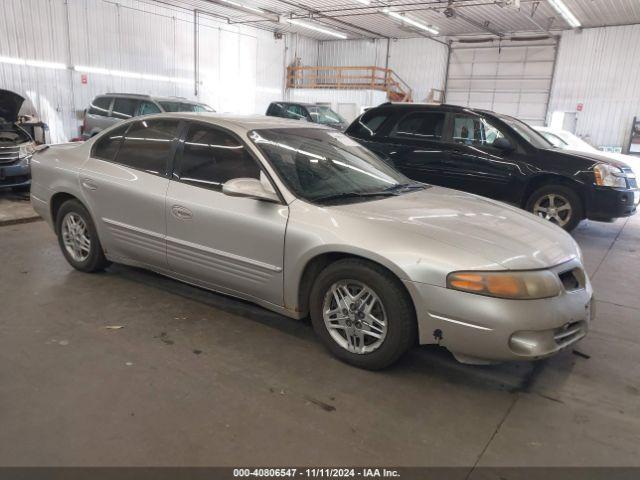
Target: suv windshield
(325, 115)
(185, 107)
(526, 132)
(321, 165)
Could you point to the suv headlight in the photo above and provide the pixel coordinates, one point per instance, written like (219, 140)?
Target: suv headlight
(526, 285)
(609, 176)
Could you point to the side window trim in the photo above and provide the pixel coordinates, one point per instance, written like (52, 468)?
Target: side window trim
(180, 149)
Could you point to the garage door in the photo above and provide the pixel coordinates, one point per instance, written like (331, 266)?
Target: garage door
(514, 80)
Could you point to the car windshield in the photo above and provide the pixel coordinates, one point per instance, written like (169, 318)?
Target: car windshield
(555, 140)
(325, 115)
(526, 132)
(185, 107)
(320, 165)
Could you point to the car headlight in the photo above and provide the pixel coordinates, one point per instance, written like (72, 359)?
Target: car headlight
(25, 153)
(609, 176)
(526, 285)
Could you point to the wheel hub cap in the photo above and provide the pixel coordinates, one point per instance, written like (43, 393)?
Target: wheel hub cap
(75, 237)
(354, 316)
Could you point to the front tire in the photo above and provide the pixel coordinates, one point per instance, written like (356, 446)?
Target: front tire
(78, 238)
(559, 204)
(362, 313)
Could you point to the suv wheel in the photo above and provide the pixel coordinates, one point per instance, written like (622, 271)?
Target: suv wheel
(558, 204)
(362, 314)
(78, 238)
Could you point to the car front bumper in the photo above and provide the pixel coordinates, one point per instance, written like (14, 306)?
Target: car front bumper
(16, 175)
(479, 329)
(608, 203)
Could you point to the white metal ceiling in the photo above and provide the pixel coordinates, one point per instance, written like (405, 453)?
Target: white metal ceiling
(474, 17)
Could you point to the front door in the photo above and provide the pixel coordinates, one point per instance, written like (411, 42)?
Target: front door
(232, 244)
(474, 164)
(125, 183)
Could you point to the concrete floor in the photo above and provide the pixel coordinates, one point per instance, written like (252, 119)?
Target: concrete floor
(195, 378)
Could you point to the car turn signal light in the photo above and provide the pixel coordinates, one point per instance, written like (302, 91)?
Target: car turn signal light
(525, 285)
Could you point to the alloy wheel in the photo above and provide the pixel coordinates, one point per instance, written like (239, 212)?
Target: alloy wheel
(75, 236)
(355, 316)
(555, 208)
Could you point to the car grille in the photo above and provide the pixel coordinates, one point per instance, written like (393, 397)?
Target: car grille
(9, 155)
(573, 279)
(568, 333)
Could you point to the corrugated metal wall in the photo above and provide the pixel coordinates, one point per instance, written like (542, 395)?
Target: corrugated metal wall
(420, 62)
(600, 69)
(240, 68)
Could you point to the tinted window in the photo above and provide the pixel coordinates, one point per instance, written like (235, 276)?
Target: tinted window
(185, 107)
(368, 124)
(107, 147)
(124, 108)
(147, 108)
(148, 145)
(100, 106)
(473, 130)
(420, 126)
(211, 157)
(295, 112)
(275, 110)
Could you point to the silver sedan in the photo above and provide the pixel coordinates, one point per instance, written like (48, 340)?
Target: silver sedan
(301, 220)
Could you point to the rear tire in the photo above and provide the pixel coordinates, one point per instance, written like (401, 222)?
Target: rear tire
(362, 313)
(559, 204)
(78, 238)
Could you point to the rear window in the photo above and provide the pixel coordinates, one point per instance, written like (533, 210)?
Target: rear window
(124, 108)
(369, 123)
(185, 107)
(148, 144)
(107, 147)
(420, 126)
(100, 106)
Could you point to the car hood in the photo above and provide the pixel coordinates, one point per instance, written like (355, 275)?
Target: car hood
(490, 230)
(10, 104)
(591, 157)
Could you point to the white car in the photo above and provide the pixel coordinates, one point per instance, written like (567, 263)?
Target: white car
(568, 141)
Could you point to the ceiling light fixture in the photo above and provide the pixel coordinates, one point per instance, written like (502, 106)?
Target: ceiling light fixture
(326, 31)
(564, 11)
(411, 21)
(243, 6)
(364, 2)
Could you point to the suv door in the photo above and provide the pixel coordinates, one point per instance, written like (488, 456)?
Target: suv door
(125, 183)
(232, 244)
(475, 165)
(414, 145)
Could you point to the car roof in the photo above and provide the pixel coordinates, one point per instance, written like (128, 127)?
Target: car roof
(432, 106)
(239, 123)
(142, 96)
(297, 103)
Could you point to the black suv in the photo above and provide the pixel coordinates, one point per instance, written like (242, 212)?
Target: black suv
(500, 157)
(306, 111)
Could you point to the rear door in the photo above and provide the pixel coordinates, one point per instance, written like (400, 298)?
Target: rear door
(232, 244)
(125, 182)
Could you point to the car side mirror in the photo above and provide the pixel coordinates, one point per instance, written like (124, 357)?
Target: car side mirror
(249, 188)
(503, 144)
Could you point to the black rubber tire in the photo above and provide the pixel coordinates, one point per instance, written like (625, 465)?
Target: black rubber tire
(401, 319)
(96, 260)
(577, 210)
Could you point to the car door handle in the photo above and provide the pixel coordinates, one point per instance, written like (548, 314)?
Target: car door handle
(181, 213)
(88, 184)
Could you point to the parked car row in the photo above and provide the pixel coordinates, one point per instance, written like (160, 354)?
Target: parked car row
(306, 221)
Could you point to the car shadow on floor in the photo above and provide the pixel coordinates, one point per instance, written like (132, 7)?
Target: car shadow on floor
(429, 360)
